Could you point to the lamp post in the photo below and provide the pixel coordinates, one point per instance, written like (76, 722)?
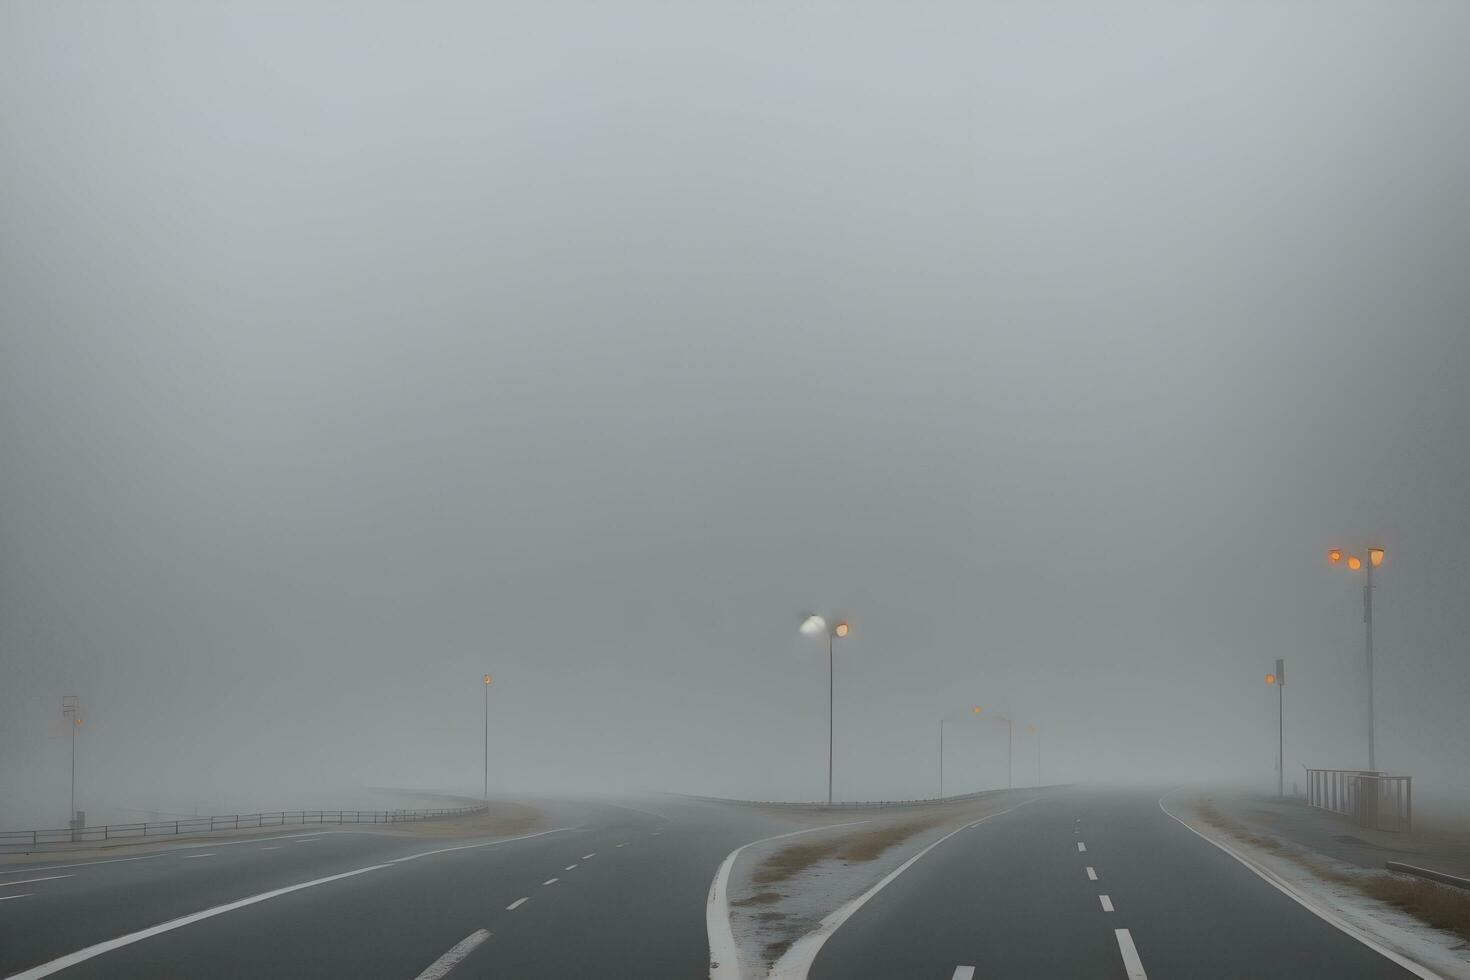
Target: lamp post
(487, 737)
(816, 624)
(1278, 680)
(1036, 730)
(1010, 751)
(1354, 563)
(942, 719)
(71, 709)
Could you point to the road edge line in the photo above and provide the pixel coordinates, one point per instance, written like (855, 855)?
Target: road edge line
(724, 955)
(1309, 903)
(796, 961)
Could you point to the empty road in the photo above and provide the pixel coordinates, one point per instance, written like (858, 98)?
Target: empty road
(1075, 884)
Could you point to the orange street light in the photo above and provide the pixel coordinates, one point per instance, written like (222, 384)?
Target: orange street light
(840, 629)
(1270, 678)
(1375, 559)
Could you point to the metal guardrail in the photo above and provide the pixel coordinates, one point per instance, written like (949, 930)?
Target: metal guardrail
(1455, 881)
(234, 821)
(1372, 799)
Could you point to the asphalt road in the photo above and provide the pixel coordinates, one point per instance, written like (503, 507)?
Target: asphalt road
(634, 908)
(619, 892)
(1012, 897)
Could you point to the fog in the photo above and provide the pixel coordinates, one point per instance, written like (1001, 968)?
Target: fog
(349, 353)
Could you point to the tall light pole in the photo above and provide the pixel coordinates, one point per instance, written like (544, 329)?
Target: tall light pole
(1354, 563)
(816, 624)
(1278, 679)
(1036, 730)
(1010, 752)
(487, 737)
(942, 719)
(71, 709)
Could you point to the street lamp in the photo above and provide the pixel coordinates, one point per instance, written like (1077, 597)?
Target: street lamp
(487, 737)
(1036, 730)
(71, 709)
(1278, 680)
(810, 626)
(1010, 751)
(1354, 563)
(975, 710)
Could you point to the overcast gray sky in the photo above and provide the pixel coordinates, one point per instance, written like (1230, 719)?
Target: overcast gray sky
(350, 351)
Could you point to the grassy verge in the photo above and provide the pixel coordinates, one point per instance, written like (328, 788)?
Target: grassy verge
(861, 846)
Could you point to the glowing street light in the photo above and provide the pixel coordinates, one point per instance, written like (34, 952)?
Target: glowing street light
(812, 626)
(1354, 563)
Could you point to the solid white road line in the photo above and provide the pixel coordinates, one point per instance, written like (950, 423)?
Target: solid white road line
(1107, 903)
(569, 867)
(457, 952)
(27, 881)
(466, 847)
(167, 852)
(550, 881)
(1081, 846)
(1325, 915)
(517, 903)
(1131, 963)
(623, 844)
(82, 955)
(273, 847)
(306, 840)
(963, 973)
(6, 898)
(798, 959)
(589, 857)
(1091, 875)
(724, 961)
(189, 857)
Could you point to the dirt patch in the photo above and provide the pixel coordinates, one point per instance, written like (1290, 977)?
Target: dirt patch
(1434, 904)
(763, 898)
(1211, 815)
(500, 820)
(862, 845)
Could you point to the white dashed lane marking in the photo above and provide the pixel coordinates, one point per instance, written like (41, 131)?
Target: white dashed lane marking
(1081, 846)
(451, 959)
(1107, 903)
(1131, 963)
(1091, 875)
(517, 903)
(550, 881)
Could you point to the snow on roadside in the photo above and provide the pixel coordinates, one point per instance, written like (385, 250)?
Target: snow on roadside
(1442, 953)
